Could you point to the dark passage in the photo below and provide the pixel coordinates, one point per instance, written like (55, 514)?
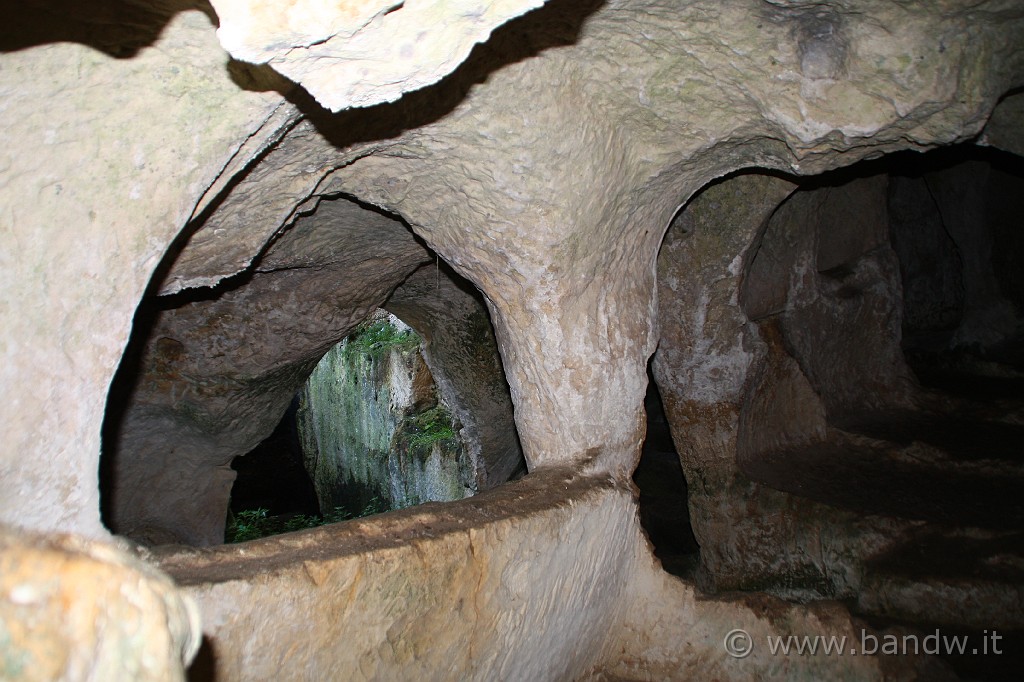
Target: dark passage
(915, 350)
(953, 451)
(664, 512)
(272, 475)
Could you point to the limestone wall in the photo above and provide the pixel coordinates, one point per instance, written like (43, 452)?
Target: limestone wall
(373, 425)
(546, 170)
(110, 144)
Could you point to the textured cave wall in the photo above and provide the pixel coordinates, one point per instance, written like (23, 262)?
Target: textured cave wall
(218, 369)
(460, 348)
(825, 274)
(956, 227)
(560, 231)
(776, 316)
(216, 373)
(545, 170)
(786, 387)
(562, 241)
(111, 138)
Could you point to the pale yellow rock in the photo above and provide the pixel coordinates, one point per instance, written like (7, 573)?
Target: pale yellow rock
(361, 52)
(79, 610)
(102, 163)
(548, 578)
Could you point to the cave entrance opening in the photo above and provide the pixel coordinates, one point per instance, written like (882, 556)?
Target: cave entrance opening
(368, 432)
(210, 370)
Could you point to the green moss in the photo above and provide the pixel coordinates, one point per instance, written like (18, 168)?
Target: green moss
(358, 443)
(377, 337)
(426, 429)
(255, 523)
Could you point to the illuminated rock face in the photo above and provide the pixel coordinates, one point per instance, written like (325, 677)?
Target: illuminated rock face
(545, 170)
(75, 609)
(361, 52)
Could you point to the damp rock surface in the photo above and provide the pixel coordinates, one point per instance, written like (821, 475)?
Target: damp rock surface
(373, 427)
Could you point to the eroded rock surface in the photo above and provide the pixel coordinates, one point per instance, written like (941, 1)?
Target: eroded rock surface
(219, 368)
(813, 456)
(76, 609)
(88, 151)
(361, 52)
(460, 348)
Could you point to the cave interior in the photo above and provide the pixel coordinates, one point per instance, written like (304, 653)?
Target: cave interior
(700, 340)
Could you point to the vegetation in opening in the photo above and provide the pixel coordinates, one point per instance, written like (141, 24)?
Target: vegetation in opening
(255, 523)
(379, 336)
(430, 427)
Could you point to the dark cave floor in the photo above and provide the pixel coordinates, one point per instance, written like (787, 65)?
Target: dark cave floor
(955, 468)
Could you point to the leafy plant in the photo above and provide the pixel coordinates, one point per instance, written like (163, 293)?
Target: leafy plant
(256, 523)
(376, 337)
(247, 525)
(432, 426)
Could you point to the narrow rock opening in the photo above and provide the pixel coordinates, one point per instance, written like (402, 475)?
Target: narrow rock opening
(664, 513)
(271, 479)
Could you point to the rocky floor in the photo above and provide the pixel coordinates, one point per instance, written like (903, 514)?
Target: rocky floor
(956, 467)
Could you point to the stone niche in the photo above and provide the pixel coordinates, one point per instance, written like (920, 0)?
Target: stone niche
(836, 345)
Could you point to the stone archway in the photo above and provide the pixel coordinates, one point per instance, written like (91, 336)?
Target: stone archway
(216, 370)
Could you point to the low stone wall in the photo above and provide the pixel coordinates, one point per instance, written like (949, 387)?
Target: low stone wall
(547, 578)
(519, 583)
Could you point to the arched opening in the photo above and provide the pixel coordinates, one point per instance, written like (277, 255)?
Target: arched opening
(272, 488)
(893, 329)
(212, 371)
(890, 394)
(840, 365)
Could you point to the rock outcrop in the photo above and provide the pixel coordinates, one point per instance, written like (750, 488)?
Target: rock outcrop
(375, 432)
(73, 609)
(361, 53)
(460, 349)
